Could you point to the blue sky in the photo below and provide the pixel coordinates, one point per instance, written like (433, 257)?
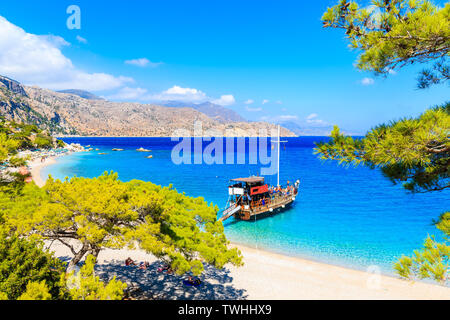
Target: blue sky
(267, 60)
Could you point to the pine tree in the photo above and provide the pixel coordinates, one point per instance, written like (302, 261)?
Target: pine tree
(392, 34)
(87, 286)
(106, 213)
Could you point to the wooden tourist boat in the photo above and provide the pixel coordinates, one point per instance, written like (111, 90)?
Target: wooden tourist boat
(250, 198)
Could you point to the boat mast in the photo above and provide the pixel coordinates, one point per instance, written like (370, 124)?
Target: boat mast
(278, 141)
(278, 158)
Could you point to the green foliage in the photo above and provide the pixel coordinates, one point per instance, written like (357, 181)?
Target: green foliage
(415, 152)
(7, 146)
(13, 138)
(27, 272)
(17, 162)
(43, 141)
(433, 260)
(391, 34)
(60, 144)
(23, 262)
(17, 136)
(36, 291)
(86, 286)
(106, 213)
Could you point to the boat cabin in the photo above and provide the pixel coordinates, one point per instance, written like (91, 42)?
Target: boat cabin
(252, 196)
(245, 190)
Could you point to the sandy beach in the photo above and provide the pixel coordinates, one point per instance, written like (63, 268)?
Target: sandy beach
(265, 275)
(36, 166)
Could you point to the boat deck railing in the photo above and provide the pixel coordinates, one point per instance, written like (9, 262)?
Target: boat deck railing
(267, 203)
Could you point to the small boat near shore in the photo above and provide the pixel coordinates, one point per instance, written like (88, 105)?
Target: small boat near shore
(143, 150)
(251, 198)
(116, 149)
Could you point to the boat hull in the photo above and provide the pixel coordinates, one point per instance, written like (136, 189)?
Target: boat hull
(252, 215)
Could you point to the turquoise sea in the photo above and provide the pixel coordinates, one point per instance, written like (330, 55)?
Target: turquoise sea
(347, 216)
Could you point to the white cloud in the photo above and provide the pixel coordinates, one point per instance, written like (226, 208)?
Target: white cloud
(253, 109)
(38, 60)
(275, 119)
(175, 93)
(288, 117)
(367, 81)
(312, 119)
(249, 101)
(392, 72)
(225, 100)
(143, 62)
(81, 40)
(317, 122)
(279, 102)
(181, 94)
(265, 101)
(56, 41)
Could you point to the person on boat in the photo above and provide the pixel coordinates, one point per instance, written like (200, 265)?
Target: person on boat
(297, 184)
(244, 198)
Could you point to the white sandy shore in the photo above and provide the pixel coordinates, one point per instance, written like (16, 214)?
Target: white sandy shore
(265, 275)
(36, 166)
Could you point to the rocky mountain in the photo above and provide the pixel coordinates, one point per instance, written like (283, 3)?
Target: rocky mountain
(70, 114)
(12, 85)
(214, 111)
(82, 94)
(15, 104)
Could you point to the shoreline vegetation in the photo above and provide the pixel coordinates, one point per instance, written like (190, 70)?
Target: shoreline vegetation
(260, 277)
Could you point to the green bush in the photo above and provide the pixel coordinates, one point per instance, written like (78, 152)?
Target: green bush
(60, 144)
(23, 262)
(43, 141)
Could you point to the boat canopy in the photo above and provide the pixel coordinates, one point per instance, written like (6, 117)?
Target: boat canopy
(249, 179)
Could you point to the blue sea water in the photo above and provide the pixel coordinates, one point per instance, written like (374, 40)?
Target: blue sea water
(347, 216)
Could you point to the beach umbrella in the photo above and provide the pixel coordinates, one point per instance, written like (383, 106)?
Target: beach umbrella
(23, 171)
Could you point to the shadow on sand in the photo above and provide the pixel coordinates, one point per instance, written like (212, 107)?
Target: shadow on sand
(151, 284)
